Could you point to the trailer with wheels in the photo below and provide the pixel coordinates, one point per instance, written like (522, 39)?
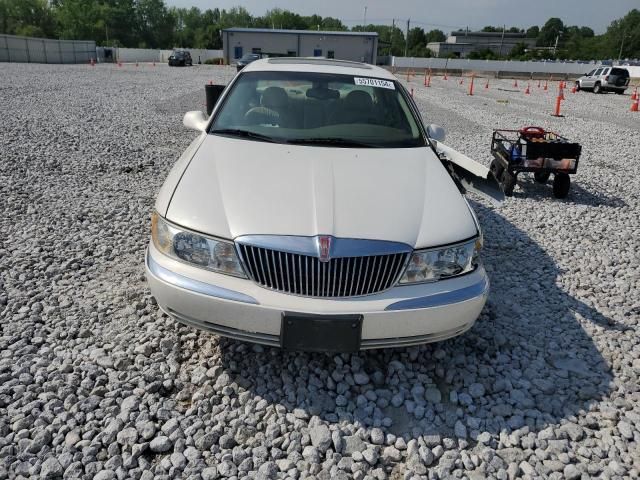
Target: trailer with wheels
(532, 149)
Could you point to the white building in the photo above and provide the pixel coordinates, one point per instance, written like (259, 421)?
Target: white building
(355, 46)
(462, 42)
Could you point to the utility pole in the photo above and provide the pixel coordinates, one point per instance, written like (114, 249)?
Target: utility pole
(555, 47)
(406, 38)
(621, 46)
(502, 41)
(393, 29)
(364, 19)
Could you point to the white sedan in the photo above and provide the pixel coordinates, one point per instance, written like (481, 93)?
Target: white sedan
(316, 212)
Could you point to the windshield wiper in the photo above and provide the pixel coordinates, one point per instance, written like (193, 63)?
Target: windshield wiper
(331, 141)
(238, 132)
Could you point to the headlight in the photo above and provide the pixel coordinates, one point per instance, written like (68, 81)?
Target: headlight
(195, 249)
(434, 264)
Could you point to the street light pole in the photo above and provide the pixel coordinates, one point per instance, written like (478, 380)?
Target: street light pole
(621, 46)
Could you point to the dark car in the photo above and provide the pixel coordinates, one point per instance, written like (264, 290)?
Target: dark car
(247, 59)
(180, 58)
(604, 79)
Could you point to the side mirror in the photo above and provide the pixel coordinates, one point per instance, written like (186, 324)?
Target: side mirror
(436, 132)
(195, 120)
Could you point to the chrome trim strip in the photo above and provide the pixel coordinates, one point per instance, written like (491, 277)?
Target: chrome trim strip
(230, 332)
(400, 342)
(339, 247)
(187, 283)
(444, 298)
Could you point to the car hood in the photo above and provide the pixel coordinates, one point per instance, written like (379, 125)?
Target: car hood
(234, 187)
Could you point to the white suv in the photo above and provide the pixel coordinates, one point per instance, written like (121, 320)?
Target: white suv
(605, 79)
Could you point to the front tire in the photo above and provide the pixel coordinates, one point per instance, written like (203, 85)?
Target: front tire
(508, 183)
(577, 86)
(597, 88)
(561, 185)
(496, 169)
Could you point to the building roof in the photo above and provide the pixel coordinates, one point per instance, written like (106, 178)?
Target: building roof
(300, 32)
(319, 65)
(463, 33)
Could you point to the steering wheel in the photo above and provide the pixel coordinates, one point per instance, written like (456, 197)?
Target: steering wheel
(262, 115)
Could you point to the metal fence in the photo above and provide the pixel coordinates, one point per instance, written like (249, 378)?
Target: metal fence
(562, 68)
(45, 50)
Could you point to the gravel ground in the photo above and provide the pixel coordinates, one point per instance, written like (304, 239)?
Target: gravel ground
(96, 382)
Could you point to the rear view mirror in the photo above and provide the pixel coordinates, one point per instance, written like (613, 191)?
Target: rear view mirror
(436, 132)
(195, 120)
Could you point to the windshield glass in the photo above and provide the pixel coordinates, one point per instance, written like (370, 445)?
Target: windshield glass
(318, 109)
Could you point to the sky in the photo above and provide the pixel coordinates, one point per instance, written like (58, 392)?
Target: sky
(443, 14)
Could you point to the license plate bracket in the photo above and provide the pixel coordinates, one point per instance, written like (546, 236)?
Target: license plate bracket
(321, 333)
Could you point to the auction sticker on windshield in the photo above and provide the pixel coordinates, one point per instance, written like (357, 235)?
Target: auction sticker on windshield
(374, 82)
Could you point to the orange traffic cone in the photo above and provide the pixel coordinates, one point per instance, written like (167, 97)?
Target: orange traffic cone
(546, 85)
(92, 62)
(515, 83)
(471, 86)
(487, 84)
(574, 89)
(634, 105)
(559, 99)
(538, 83)
(445, 76)
(527, 90)
(461, 80)
(634, 95)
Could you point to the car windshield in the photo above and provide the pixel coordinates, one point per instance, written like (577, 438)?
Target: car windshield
(318, 109)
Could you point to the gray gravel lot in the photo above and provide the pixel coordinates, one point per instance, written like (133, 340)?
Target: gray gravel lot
(95, 382)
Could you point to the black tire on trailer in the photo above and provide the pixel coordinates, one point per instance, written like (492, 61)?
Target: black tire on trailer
(541, 177)
(561, 185)
(508, 182)
(496, 169)
(597, 88)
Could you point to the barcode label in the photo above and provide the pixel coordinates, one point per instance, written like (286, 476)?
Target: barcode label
(374, 82)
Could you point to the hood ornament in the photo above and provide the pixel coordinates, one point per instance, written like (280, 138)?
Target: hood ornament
(324, 248)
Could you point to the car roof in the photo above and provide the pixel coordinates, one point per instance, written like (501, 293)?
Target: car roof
(318, 65)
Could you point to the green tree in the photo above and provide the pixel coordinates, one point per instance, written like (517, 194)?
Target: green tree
(26, 17)
(533, 32)
(435, 36)
(623, 36)
(550, 31)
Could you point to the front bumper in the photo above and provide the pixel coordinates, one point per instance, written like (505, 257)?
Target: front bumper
(240, 309)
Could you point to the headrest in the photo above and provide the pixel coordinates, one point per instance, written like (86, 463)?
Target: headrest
(358, 100)
(274, 97)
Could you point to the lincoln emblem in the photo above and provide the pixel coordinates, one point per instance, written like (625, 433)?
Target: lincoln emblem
(324, 247)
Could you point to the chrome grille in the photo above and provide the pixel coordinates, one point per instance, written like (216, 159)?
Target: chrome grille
(307, 276)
